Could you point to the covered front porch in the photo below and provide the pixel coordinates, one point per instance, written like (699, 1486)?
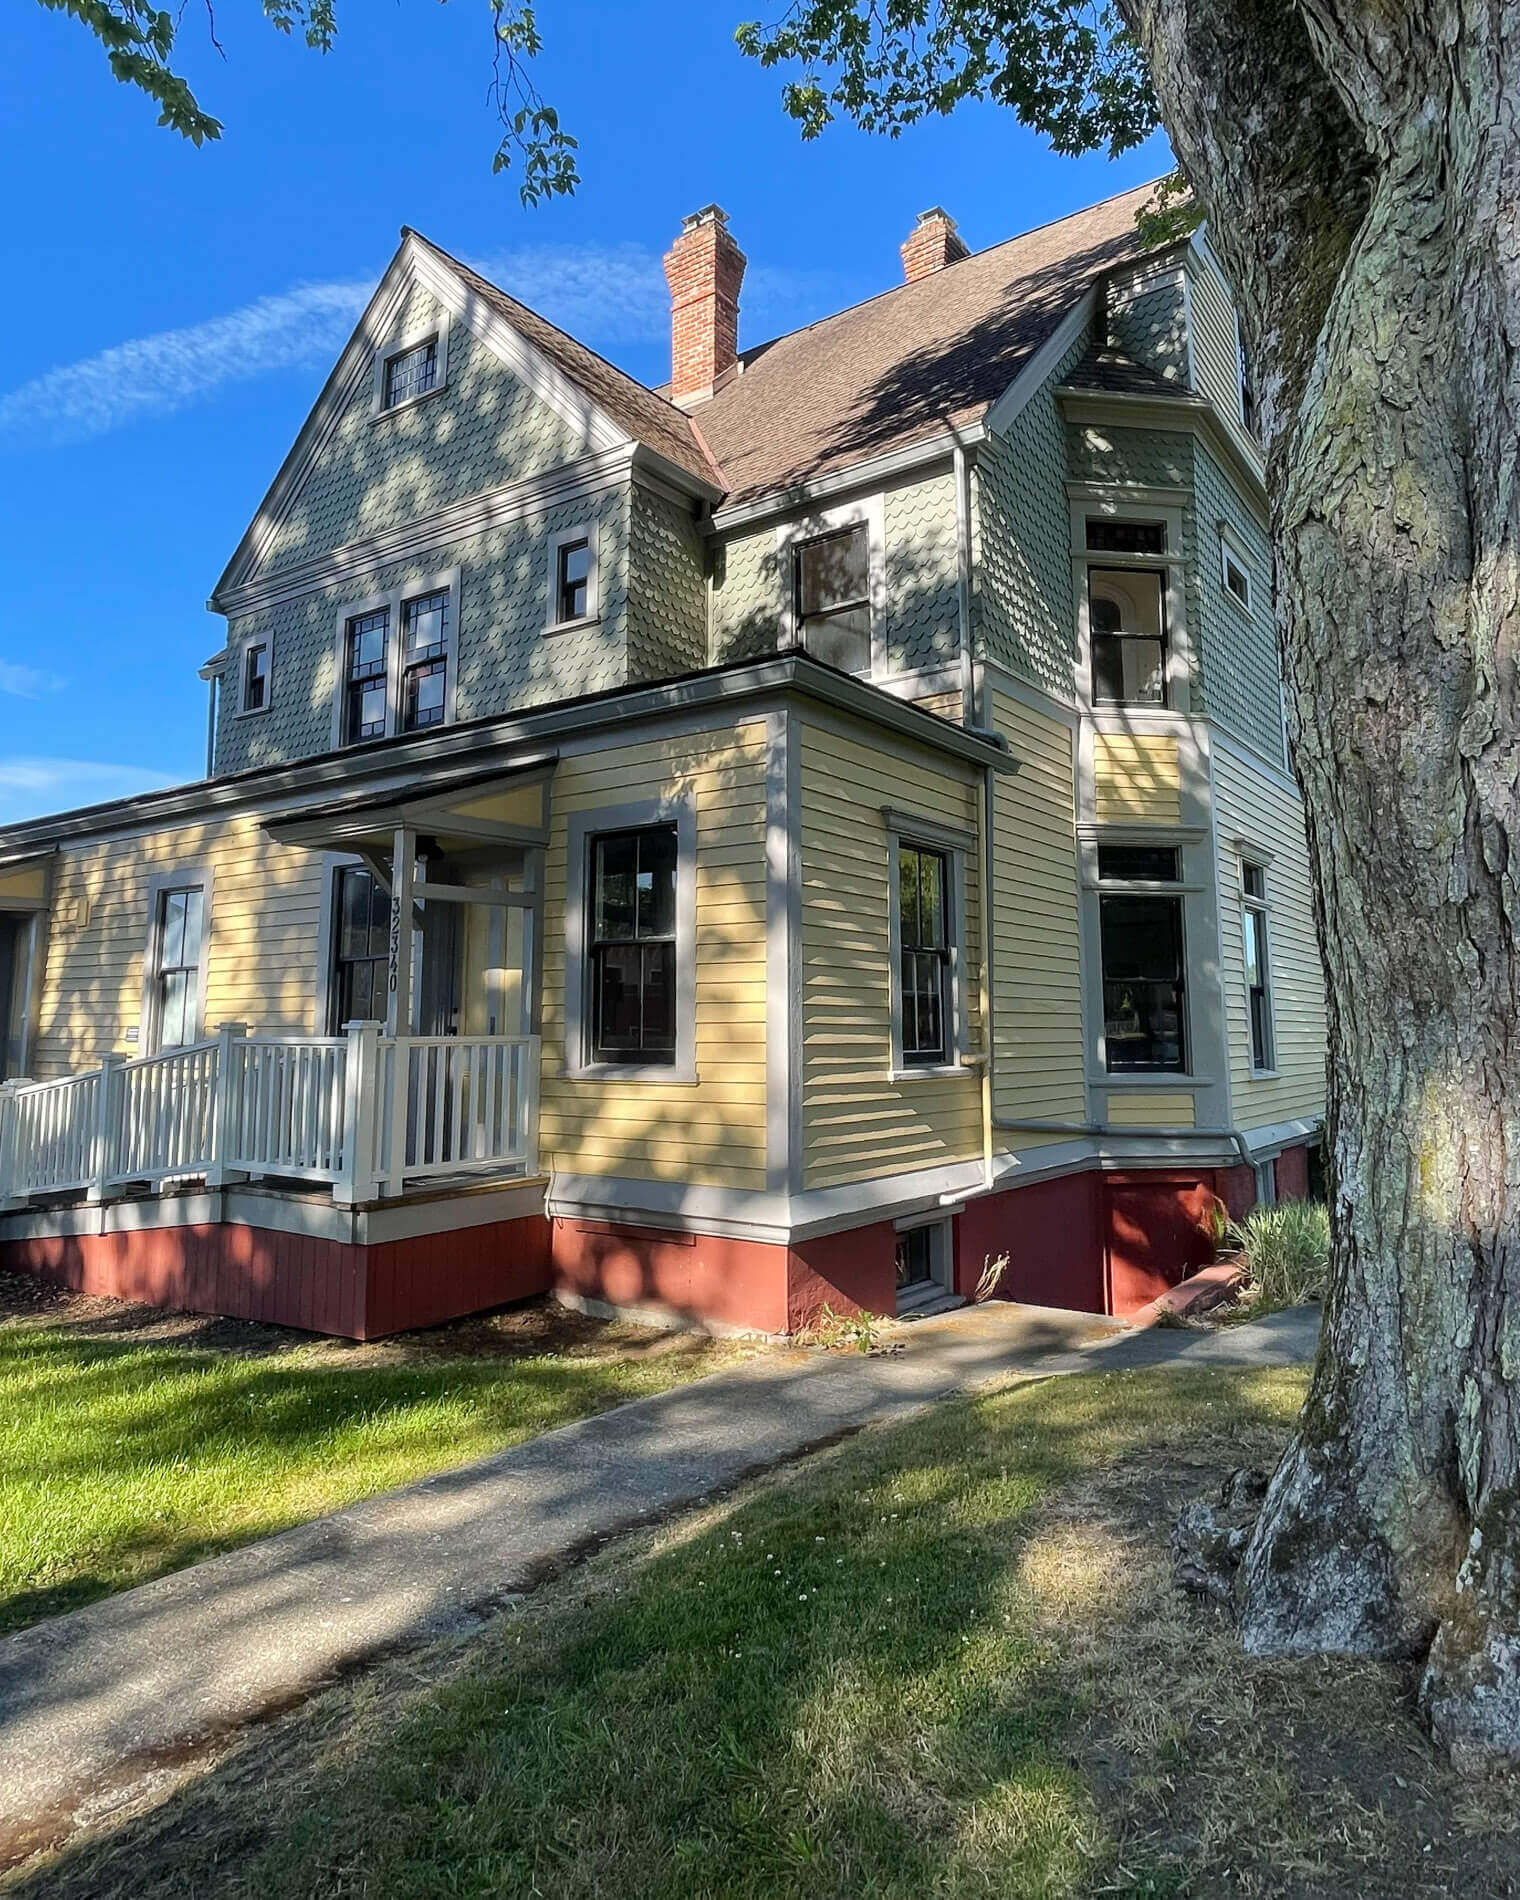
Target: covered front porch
(428, 966)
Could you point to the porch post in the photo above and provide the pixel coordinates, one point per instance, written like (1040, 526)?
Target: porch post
(107, 1107)
(363, 1110)
(9, 1171)
(226, 1115)
(398, 1009)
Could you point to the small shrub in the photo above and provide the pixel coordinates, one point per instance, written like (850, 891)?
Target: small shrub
(993, 1269)
(1285, 1251)
(845, 1332)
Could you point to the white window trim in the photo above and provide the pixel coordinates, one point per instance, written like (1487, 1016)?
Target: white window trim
(955, 846)
(1230, 550)
(941, 1255)
(187, 877)
(394, 600)
(869, 513)
(1187, 889)
(674, 808)
(586, 531)
(245, 647)
(436, 333)
(1118, 506)
(1261, 906)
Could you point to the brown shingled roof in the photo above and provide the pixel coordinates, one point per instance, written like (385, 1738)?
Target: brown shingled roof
(911, 362)
(649, 418)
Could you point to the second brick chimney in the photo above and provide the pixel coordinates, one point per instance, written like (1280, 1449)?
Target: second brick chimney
(704, 268)
(933, 244)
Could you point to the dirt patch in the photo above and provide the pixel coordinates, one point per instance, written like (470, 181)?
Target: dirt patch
(531, 1329)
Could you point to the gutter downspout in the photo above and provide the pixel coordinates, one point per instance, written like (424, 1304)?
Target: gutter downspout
(962, 477)
(1232, 1135)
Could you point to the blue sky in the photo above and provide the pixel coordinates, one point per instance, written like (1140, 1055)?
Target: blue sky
(173, 312)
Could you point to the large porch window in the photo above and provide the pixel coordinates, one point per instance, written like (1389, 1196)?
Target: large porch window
(633, 946)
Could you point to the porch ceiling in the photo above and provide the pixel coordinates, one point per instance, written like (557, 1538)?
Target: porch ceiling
(508, 804)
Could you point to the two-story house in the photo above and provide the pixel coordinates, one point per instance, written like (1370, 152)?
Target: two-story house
(791, 837)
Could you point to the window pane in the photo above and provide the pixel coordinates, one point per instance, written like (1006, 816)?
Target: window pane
(1109, 536)
(574, 581)
(657, 884)
(255, 678)
(1254, 881)
(366, 644)
(412, 373)
(425, 625)
(618, 998)
(931, 898)
(614, 910)
(190, 943)
(424, 695)
(1235, 580)
(915, 1257)
(171, 937)
(659, 1016)
(175, 1025)
(1127, 620)
(1149, 863)
(1143, 988)
(832, 572)
(907, 896)
(841, 639)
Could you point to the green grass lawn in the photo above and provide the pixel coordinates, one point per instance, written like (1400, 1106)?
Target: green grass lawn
(123, 1457)
(944, 1660)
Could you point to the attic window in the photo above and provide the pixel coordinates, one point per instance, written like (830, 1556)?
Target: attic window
(1108, 535)
(834, 599)
(411, 373)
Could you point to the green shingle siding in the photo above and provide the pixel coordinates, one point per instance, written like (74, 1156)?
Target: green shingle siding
(667, 597)
(923, 609)
(1152, 328)
(1237, 649)
(747, 603)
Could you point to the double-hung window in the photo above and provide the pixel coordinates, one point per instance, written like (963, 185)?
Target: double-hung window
(1144, 960)
(1253, 894)
(632, 946)
(924, 950)
(178, 928)
(361, 949)
(1126, 613)
(411, 373)
(832, 587)
(255, 679)
(367, 676)
(572, 579)
(394, 656)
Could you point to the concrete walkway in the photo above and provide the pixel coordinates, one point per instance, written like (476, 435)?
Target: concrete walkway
(93, 1701)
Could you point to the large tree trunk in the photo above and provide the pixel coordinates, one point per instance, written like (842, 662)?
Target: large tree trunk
(1361, 175)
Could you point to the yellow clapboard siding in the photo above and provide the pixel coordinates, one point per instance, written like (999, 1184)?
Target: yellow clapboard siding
(1150, 1108)
(859, 1123)
(1137, 778)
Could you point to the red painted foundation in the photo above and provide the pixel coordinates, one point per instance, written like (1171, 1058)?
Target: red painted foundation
(325, 1286)
(1092, 1241)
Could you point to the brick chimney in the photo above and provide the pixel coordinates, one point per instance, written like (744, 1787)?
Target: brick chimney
(933, 244)
(704, 268)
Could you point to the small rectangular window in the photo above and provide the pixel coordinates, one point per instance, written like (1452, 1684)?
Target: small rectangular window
(1126, 613)
(361, 950)
(921, 1258)
(177, 966)
(365, 676)
(1137, 863)
(633, 946)
(256, 678)
(1108, 535)
(411, 373)
(573, 580)
(833, 599)
(1144, 983)
(1236, 579)
(924, 940)
(1253, 884)
(424, 661)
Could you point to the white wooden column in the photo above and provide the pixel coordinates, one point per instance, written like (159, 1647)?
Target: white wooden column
(398, 1009)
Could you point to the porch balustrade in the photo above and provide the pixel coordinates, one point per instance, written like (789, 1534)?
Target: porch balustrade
(362, 1112)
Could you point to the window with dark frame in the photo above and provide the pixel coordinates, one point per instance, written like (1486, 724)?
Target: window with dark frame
(572, 583)
(411, 373)
(366, 684)
(1236, 579)
(1110, 534)
(832, 585)
(361, 949)
(1126, 615)
(915, 1259)
(924, 944)
(632, 950)
(256, 678)
(1144, 965)
(424, 660)
(177, 926)
(1253, 885)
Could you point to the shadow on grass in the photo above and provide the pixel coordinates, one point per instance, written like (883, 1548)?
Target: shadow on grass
(838, 1687)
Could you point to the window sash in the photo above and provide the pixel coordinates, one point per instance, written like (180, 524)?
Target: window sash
(256, 678)
(923, 925)
(1144, 983)
(425, 660)
(1258, 981)
(360, 950)
(572, 580)
(179, 926)
(632, 948)
(1129, 665)
(831, 585)
(411, 373)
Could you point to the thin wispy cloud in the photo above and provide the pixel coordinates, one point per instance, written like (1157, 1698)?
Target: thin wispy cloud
(31, 787)
(28, 682)
(609, 296)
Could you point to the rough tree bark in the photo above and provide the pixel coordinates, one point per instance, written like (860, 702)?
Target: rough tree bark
(1360, 170)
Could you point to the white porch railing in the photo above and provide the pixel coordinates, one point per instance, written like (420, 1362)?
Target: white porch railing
(362, 1112)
